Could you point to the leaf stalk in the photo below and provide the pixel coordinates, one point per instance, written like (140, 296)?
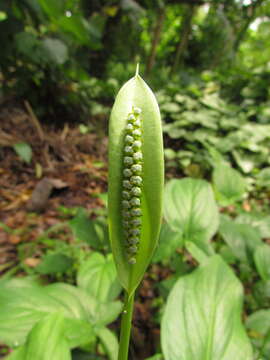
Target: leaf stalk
(126, 326)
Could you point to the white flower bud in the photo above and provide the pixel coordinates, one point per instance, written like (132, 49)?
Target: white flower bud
(131, 118)
(127, 172)
(136, 168)
(125, 204)
(136, 212)
(136, 191)
(135, 201)
(137, 145)
(132, 261)
(137, 123)
(136, 180)
(135, 232)
(128, 160)
(137, 111)
(136, 133)
(129, 139)
(136, 222)
(125, 195)
(137, 156)
(129, 128)
(133, 249)
(134, 240)
(127, 184)
(128, 150)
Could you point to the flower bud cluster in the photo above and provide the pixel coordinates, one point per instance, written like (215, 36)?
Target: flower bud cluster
(132, 184)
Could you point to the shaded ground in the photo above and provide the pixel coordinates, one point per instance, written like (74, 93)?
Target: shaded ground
(67, 169)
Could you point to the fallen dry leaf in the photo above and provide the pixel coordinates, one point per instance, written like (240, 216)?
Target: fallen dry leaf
(32, 262)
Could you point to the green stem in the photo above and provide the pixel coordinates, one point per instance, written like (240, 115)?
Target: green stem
(125, 327)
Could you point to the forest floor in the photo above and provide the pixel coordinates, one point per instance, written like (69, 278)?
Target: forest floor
(68, 170)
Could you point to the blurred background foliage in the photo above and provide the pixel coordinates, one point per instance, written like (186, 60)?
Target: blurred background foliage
(207, 61)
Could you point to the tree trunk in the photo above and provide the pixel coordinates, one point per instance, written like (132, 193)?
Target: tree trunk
(240, 36)
(155, 40)
(184, 36)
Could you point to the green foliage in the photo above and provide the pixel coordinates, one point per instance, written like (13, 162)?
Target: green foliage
(262, 261)
(43, 45)
(91, 232)
(191, 210)
(97, 276)
(24, 151)
(258, 324)
(50, 327)
(186, 332)
(54, 263)
(228, 183)
(197, 119)
(242, 239)
(26, 306)
(169, 241)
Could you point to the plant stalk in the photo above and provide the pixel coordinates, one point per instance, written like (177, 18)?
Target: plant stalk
(126, 327)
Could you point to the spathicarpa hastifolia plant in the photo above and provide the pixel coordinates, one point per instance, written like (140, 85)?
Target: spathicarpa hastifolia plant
(136, 179)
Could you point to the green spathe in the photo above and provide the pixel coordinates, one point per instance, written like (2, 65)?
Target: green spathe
(136, 93)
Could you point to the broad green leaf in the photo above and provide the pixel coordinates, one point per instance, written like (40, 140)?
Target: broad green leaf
(202, 318)
(196, 252)
(156, 357)
(84, 229)
(190, 208)
(106, 313)
(24, 151)
(263, 178)
(259, 321)
(259, 221)
(56, 49)
(23, 304)
(258, 325)
(54, 263)
(81, 30)
(229, 184)
(109, 342)
(169, 241)
(20, 308)
(241, 238)
(245, 162)
(47, 341)
(98, 277)
(78, 332)
(53, 8)
(135, 93)
(75, 303)
(262, 261)
(81, 305)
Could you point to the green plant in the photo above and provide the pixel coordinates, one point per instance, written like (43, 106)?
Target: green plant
(202, 318)
(135, 189)
(79, 313)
